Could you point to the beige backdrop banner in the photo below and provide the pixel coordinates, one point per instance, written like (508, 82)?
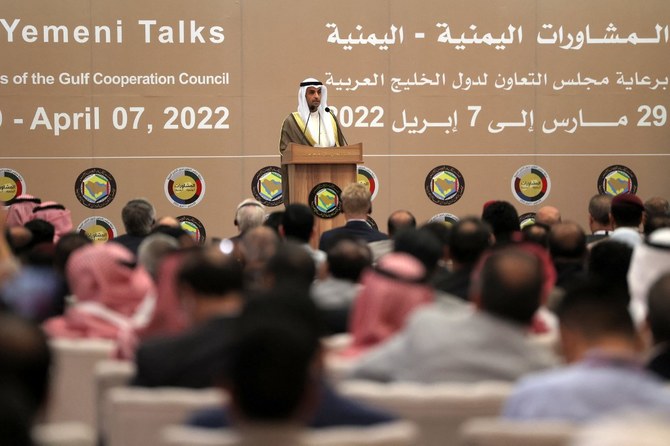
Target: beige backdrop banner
(455, 102)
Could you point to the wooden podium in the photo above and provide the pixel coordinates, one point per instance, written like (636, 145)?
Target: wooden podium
(307, 166)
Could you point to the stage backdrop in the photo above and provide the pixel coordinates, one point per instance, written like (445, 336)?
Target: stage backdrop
(455, 102)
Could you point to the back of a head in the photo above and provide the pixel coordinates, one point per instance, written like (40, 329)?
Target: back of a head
(249, 214)
(657, 213)
(209, 273)
(66, 245)
(399, 220)
(270, 371)
(599, 208)
(56, 214)
(656, 222)
(42, 231)
(503, 219)
(596, 309)
(25, 359)
(153, 249)
(470, 237)
(348, 258)
(291, 264)
(657, 206)
(259, 245)
(138, 217)
(627, 210)
(567, 241)
(548, 215)
(421, 244)
(659, 309)
(537, 233)
(274, 220)
(609, 260)
(509, 285)
(441, 230)
(298, 222)
(356, 199)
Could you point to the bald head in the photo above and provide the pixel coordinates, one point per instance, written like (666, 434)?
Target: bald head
(567, 241)
(548, 215)
(400, 220)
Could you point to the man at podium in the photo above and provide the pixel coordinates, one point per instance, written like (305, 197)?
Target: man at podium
(314, 124)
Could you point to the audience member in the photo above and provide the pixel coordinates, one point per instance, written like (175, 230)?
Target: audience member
(389, 294)
(603, 350)
(356, 205)
(257, 246)
(334, 295)
(442, 233)
(548, 215)
(487, 344)
(650, 260)
(249, 214)
(503, 219)
(656, 215)
(42, 232)
(114, 298)
(397, 222)
(658, 320)
(20, 211)
(275, 375)
(66, 245)
(57, 215)
(153, 250)
(626, 213)
(138, 216)
(400, 220)
(183, 238)
(423, 245)
(609, 261)
(274, 220)
(537, 233)
(25, 361)
(567, 246)
(470, 237)
(291, 265)
(656, 206)
(298, 225)
(210, 289)
(600, 222)
(167, 220)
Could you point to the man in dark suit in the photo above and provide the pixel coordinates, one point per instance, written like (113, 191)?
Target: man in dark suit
(210, 289)
(356, 205)
(138, 216)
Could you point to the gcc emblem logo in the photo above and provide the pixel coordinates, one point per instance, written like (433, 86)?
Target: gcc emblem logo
(95, 188)
(444, 185)
(617, 180)
(266, 186)
(324, 200)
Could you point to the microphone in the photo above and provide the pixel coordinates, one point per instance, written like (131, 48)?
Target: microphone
(306, 122)
(337, 124)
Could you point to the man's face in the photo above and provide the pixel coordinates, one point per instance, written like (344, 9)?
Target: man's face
(313, 97)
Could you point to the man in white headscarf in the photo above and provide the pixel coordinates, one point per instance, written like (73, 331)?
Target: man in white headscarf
(312, 125)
